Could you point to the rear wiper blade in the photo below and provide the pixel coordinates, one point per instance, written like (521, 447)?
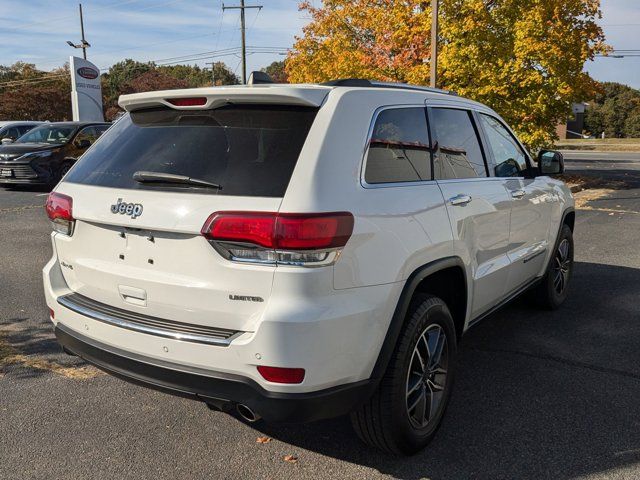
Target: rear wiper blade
(159, 177)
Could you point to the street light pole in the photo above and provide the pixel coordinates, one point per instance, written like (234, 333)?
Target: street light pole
(84, 42)
(242, 8)
(434, 44)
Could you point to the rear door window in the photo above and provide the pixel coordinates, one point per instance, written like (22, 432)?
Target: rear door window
(399, 147)
(250, 150)
(459, 153)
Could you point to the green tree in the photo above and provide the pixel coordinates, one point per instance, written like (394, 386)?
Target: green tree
(194, 76)
(117, 76)
(277, 72)
(611, 111)
(632, 125)
(223, 75)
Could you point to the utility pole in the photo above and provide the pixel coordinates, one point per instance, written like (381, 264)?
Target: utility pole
(242, 8)
(213, 72)
(434, 43)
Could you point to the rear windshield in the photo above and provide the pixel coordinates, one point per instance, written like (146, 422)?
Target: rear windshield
(248, 150)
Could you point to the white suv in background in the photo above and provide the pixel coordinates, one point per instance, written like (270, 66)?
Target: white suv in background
(299, 252)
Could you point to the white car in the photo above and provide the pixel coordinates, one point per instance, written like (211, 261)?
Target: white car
(299, 252)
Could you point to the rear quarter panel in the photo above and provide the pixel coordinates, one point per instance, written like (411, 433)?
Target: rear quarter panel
(397, 229)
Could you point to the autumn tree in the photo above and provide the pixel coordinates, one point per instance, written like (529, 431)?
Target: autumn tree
(149, 81)
(130, 76)
(29, 94)
(524, 58)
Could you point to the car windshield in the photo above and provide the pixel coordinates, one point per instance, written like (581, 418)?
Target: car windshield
(48, 134)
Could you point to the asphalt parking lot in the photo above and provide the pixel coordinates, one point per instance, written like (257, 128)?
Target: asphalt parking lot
(538, 394)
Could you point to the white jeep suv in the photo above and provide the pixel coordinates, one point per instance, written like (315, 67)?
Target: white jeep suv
(299, 252)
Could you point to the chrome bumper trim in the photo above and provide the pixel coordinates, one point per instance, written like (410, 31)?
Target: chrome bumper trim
(146, 324)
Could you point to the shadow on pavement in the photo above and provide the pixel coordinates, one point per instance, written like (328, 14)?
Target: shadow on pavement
(538, 393)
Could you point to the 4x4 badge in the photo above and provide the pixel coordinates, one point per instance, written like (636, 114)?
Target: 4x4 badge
(134, 210)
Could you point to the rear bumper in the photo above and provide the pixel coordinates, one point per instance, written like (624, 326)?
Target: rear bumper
(214, 387)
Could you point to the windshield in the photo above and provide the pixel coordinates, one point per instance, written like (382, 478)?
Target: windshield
(248, 150)
(48, 134)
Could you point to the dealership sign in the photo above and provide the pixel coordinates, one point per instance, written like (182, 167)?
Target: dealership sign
(86, 92)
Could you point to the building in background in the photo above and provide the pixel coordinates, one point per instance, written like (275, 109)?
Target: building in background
(574, 127)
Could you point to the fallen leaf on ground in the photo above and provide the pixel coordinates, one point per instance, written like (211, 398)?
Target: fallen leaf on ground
(290, 458)
(263, 439)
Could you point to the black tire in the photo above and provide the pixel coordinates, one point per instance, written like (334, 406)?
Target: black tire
(552, 290)
(385, 421)
(64, 168)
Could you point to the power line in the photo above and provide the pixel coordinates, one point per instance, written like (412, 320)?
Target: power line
(158, 62)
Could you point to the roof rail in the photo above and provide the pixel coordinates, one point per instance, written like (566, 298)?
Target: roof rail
(363, 82)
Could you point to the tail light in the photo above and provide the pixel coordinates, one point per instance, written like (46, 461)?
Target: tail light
(281, 375)
(59, 209)
(309, 239)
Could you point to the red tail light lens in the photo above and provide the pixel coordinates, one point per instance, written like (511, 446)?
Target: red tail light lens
(188, 102)
(255, 228)
(314, 231)
(59, 209)
(283, 231)
(281, 375)
(309, 239)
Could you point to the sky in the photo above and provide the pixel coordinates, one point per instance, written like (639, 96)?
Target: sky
(172, 31)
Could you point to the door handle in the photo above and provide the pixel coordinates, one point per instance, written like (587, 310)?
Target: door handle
(460, 199)
(518, 193)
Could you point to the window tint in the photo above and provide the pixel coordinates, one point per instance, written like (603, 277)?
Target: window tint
(25, 128)
(100, 129)
(87, 133)
(459, 154)
(399, 147)
(12, 133)
(510, 160)
(250, 150)
(51, 134)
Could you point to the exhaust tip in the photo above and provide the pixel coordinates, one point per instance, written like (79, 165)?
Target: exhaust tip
(246, 413)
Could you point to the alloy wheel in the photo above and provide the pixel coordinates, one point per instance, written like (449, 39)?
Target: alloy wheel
(562, 266)
(427, 376)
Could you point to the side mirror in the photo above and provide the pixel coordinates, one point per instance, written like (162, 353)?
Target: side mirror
(550, 162)
(7, 140)
(84, 143)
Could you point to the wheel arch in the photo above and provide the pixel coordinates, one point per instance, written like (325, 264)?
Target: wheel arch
(436, 278)
(569, 218)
